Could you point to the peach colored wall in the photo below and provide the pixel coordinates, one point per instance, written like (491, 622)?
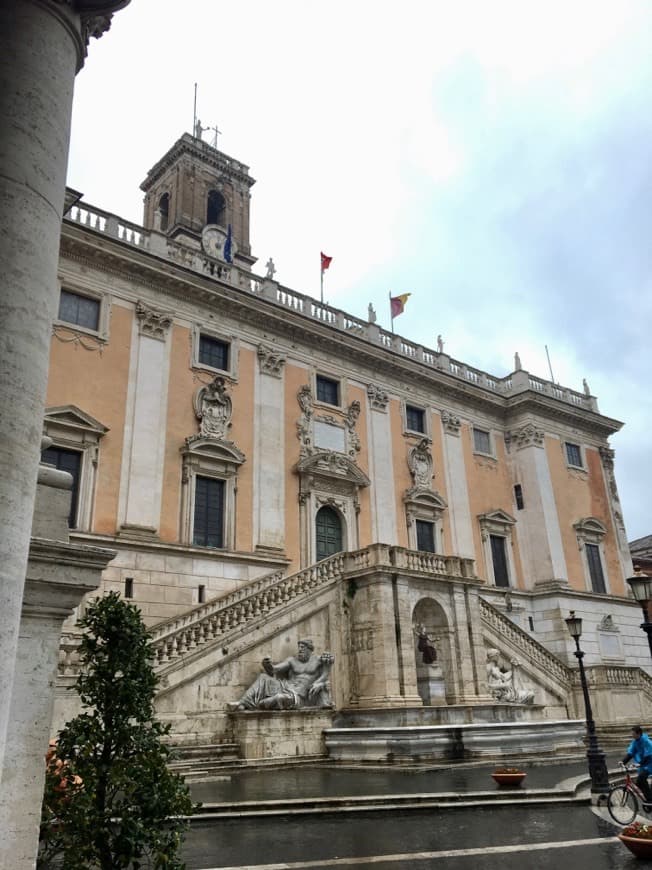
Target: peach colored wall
(242, 434)
(490, 488)
(577, 495)
(295, 377)
(439, 480)
(97, 384)
(402, 477)
(364, 517)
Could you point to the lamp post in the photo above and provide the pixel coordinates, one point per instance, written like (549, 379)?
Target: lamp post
(641, 586)
(594, 755)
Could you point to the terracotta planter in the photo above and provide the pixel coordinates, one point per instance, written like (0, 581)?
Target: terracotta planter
(638, 846)
(509, 779)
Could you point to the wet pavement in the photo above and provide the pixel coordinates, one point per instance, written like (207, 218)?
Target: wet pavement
(321, 781)
(546, 837)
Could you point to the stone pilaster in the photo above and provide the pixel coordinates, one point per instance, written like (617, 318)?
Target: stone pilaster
(42, 45)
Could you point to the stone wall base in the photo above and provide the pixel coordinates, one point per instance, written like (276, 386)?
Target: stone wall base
(280, 733)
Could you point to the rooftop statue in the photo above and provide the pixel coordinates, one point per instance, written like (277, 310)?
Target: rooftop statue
(299, 681)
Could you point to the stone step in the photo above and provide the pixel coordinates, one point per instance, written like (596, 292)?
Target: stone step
(206, 751)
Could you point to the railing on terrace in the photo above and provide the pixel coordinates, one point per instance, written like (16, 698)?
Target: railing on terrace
(158, 244)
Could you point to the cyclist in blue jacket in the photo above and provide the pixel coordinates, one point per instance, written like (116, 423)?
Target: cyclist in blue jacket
(640, 750)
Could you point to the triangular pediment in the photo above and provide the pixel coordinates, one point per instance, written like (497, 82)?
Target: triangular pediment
(214, 449)
(73, 417)
(336, 466)
(497, 516)
(590, 525)
(425, 497)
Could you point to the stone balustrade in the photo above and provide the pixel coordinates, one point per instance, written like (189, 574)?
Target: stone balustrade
(532, 650)
(230, 274)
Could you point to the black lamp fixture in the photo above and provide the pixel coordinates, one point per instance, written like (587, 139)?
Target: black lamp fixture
(641, 586)
(595, 756)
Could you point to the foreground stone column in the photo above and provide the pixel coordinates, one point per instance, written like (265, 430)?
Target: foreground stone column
(59, 574)
(42, 45)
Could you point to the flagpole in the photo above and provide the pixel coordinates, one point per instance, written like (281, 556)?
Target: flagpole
(322, 285)
(391, 319)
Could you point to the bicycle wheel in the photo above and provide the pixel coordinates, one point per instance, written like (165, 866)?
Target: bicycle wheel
(622, 805)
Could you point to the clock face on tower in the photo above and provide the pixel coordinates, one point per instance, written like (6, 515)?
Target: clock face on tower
(212, 241)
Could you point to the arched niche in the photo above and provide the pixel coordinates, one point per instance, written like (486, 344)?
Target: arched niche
(431, 629)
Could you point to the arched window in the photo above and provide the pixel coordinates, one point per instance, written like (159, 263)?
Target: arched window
(164, 211)
(329, 533)
(215, 208)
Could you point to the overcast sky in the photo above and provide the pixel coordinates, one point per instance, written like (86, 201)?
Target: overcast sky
(493, 159)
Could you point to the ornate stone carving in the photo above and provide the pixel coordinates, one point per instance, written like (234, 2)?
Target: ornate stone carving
(501, 681)
(270, 362)
(299, 681)
(213, 409)
(330, 501)
(420, 464)
(451, 423)
(304, 423)
(153, 323)
(527, 436)
(608, 455)
(352, 415)
(378, 398)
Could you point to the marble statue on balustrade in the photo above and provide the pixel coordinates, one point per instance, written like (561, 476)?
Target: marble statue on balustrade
(501, 681)
(299, 682)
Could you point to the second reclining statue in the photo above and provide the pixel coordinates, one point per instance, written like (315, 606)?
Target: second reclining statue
(299, 681)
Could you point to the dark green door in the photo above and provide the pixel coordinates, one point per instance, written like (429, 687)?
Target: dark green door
(329, 533)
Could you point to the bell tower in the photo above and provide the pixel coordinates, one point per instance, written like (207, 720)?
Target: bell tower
(194, 194)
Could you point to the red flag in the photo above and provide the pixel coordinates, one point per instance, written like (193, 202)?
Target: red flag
(325, 261)
(397, 304)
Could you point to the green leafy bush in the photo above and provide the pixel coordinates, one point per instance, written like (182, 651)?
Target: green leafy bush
(118, 805)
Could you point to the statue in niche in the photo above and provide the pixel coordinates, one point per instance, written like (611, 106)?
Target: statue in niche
(501, 681)
(213, 408)
(426, 646)
(298, 682)
(420, 464)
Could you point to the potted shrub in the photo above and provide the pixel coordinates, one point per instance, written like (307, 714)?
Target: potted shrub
(638, 839)
(513, 776)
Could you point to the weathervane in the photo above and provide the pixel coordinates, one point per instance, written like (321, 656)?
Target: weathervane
(197, 128)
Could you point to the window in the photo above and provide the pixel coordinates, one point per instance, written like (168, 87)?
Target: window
(70, 461)
(481, 441)
(499, 559)
(518, 497)
(328, 390)
(201, 594)
(208, 521)
(329, 533)
(415, 419)
(80, 310)
(595, 567)
(574, 455)
(129, 587)
(213, 352)
(215, 208)
(425, 536)
(164, 211)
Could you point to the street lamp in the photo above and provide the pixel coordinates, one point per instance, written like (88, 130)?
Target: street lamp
(594, 755)
(641, 586)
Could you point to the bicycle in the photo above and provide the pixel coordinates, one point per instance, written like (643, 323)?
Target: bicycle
(623, 801)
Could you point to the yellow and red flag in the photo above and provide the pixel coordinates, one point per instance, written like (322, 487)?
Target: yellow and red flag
(398, 303)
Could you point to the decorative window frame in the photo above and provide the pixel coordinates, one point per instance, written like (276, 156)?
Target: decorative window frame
(492, 441)
(73, 429)
(234, 350)
(421, 504)
(333, 479)
(500, 524)
(590, 530)
(104, 319)
(342, 389)
(581, 468)
(220, 460)
(427, 419)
